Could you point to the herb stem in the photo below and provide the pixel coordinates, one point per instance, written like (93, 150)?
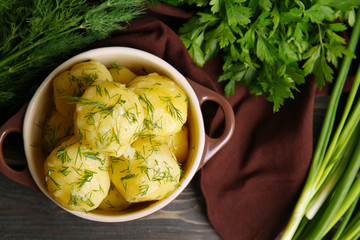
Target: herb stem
(35, 44)
(320, 39)
(317, 230)
(344, 223)
(301, 5)
(323, 141)
(335, 148)
(21, 65)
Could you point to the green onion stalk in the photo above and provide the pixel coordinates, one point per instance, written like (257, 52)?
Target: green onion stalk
(332, 188)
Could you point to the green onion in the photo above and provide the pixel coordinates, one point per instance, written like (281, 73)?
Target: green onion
(329, 190)
(324, 218)
(341, 231)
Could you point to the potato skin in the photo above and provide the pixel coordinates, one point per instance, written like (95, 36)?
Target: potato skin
(56, 129)
(108, 118)
(178, 143)
(152, 174)
(130, 137)
(114, 201)
(72, 83)
(77, 178)
(165, 104)
(62, 88)
(90, 71)
(121, 74)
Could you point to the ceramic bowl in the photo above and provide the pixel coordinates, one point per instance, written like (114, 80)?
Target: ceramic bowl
(201, 146)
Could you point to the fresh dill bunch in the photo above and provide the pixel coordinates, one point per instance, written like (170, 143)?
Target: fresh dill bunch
(38, 35)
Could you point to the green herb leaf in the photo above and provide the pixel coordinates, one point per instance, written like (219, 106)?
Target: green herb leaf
(297, 35)
(36, 36)
(237, 14)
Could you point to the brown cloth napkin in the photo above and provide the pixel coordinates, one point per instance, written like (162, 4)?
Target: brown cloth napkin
(252, 184)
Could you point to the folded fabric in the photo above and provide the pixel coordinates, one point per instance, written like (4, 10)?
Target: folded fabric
(252, 184)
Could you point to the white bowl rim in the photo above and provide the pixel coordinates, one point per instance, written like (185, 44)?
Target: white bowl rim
(90, 54)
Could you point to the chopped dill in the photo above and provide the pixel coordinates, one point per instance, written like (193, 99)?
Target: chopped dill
(149, 107)
(98, 89)
(63, 155)
(76, 200)
(116, 133)
(143, 189)
(104, 169)
(179, 95)
(87, 102)
(85, 176)
(109, 204)
(94, 156)
(64, 170)
(89, 78)
(114, 65)
(174, 112)
(55, 134)
(105, 139)
(120, 101)
(129, 176)
(151, 125)
(48, 175)
(145, 169)
(131, 117)
(165, 175)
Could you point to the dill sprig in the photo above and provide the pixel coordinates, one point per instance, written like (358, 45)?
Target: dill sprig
(149, 107)
(63, 155)
(84, 177)
(48, 175)
(170, 107)
(36, 36)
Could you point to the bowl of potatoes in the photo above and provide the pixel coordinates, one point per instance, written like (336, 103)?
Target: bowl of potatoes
(114, 134)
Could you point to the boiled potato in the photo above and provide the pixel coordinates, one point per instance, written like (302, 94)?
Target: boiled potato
(56, 128)
(108, 118)
(121, 74)
(152, 174)
(77, 178)
(63, 87)
(73, 83)
(114, 201)
(165, 104)
(178, 143)
(91, 71)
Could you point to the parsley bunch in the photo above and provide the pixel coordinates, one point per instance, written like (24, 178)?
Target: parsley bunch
(37, 35)
(269, 46)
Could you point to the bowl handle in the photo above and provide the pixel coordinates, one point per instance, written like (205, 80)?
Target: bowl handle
(14, 124)
(213, 145)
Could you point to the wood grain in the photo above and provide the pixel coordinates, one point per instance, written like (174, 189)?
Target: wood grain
(27, 214)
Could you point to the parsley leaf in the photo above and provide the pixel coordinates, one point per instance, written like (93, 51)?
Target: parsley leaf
(270, 46)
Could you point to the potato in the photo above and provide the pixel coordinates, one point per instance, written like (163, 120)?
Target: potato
(178, 144)
(121, 74)
(73, 83)
(56, 128)
(114, 201)
(77, 178)
(108, 118)
(90, 71)
(165, 104)
(63, 87)
(152, 174)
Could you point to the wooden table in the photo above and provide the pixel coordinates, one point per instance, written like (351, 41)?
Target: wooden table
(27, 214)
